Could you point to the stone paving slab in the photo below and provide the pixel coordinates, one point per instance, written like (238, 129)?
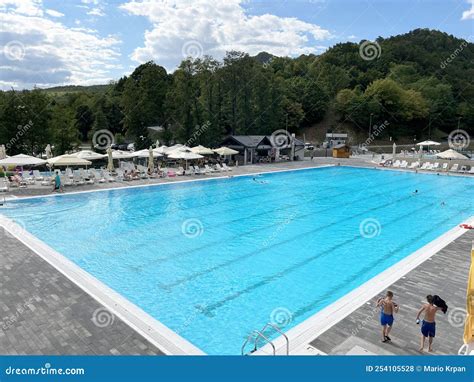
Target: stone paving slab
(43, 312)
(444, 274)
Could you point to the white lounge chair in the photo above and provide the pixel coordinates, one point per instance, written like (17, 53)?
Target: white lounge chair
(435, 167)
(6, 185)
(198, 171)
(414, 165)
(38, 175)
(444, 167)
(210, 169)
(228, 168)
(396, 164)
(471, 171)
(404, 164)
(424, 166)
(454, 168)
(463, 169)
(219, 168)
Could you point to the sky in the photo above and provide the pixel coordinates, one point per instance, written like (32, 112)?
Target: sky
(49, 43)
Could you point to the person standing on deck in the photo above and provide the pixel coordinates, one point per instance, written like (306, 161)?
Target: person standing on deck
(428, 325)
(388, 308)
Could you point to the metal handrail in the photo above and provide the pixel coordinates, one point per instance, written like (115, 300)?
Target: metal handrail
(276, 328)
(257, 334)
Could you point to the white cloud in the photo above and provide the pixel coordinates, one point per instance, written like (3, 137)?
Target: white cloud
(469, 14)
(39, 51)
(96, 12)
(213, 27)
(54, 13)
(24, 7)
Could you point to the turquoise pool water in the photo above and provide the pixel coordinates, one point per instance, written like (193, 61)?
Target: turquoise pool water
(214, 260)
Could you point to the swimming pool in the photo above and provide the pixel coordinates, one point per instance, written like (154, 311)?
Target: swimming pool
(214, 260)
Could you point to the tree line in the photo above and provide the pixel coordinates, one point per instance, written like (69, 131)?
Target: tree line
(421, 81)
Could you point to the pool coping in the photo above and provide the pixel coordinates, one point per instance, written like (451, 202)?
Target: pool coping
(301, 335)
(164, 338)
(172, 343)
(229, 176)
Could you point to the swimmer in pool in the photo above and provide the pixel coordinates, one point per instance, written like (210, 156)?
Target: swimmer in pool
(259, 181)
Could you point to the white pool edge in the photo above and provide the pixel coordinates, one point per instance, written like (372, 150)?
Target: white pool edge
(165, 339)
(307, 331)
(132, 186)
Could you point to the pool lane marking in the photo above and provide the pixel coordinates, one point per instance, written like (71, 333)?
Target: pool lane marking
(267, 279)
(245, 218)
(310, 329)
(279, 243)
(165, 339)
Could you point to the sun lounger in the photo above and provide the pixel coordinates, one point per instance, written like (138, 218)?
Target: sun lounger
(404, 164)
(454, 168)
(396, 164)
(463, 169)
(227, 168)
(424, 166)
(5, 186)
(444, 167)
(199, 171)
(471, 171)
(220, 168)
(414, 165)
(435, 167)
(209, 168)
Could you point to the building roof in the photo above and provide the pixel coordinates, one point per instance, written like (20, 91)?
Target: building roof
(255, 140)
(340, 146)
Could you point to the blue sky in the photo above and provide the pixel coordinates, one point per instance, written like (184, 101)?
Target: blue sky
(53, 42)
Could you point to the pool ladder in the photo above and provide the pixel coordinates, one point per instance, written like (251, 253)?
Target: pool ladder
(256, 335)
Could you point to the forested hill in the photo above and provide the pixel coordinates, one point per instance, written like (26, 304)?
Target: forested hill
(419, 79)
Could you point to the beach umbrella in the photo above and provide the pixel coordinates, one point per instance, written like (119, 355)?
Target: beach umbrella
(145, 153)
(89, 155)
(68, 160)
(394, 152)
(48, 151)
(3, 152)
(110, 160)
(22, 160)
(161, 150)
(225, 151)
(450, 154)
(202, 150)
(184, 155)
(151, 164)
(428, 143)
(119, 154)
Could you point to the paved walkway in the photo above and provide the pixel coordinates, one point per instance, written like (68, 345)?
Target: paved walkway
(42, 312)
(444, 274)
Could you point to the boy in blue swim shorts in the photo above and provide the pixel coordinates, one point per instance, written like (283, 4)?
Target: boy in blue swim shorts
(428, 326)
(388, 308)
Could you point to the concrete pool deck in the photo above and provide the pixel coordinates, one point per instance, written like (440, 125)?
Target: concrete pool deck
(43, 312)
(444, 274)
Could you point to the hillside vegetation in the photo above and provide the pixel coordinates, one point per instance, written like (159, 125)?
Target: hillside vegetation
(413, 83)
